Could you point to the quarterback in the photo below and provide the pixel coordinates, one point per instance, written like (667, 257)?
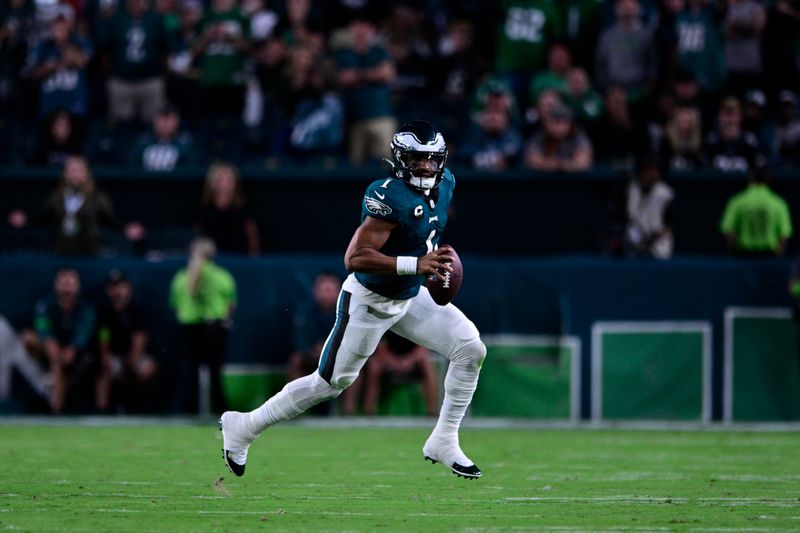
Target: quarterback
(390, 255)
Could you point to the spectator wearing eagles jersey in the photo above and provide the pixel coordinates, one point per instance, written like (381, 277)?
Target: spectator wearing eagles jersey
(166, 148)
(136, 42)
(730, 148)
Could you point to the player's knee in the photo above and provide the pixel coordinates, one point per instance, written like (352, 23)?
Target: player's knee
(325, 390)
(470, 353)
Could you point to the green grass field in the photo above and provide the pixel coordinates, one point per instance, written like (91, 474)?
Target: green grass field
(171, 478)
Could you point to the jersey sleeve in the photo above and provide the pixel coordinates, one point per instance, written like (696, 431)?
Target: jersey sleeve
(381, 202)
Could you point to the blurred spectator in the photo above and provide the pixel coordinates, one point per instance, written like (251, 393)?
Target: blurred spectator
(700, 46)
(685, 89)
(618, 137)
(271, 66)
(59, 141)
(561, 146)
(584, 101)
(60, 66)
(16, 27)
(460, 67)
(263, 20)
(756, 222)
(411, 87)
(548, 99)
(203, 296)
(166, 148)
(317, 123)
(398, 361)
(302, 26)
(221, 51)
(223, 215)
(744, 23)
(76, 211)
(683, 143)
(626, 52)
(559, 63)
(182, 73)
(582, 24)
(136, 41)
(496, 93)
(756, 121)
(648, 232)
(525, 29)
(666, 39)
(779, 47)
(493, 144)
(310, 328)
(730, 148)
(127, 370)
(788, 130)
(365, 72)
(63, 325)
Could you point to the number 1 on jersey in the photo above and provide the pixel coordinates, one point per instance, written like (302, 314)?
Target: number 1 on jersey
(429, 242)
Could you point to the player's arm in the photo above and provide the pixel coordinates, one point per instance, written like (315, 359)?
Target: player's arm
(363, 253)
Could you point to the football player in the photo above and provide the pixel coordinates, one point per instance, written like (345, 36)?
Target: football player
(390, 255)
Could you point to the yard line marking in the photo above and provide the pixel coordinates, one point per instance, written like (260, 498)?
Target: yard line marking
(764, 499)
(590, 499)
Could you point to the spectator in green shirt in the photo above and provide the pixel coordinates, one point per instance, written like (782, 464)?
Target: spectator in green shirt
(221, 50)
(757, 222)
(526, 27)
(585, 102)
(559, 63)
(203, 296)
(136, 41)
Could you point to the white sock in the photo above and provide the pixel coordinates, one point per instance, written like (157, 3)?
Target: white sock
(295, 398)
(459, 386)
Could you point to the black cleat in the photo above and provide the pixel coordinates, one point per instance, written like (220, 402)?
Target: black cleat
(235, 442)
(467, 472)
(235, 468)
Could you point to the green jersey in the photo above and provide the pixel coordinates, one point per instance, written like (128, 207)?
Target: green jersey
(213, 299)
(222, 63)
(525, 30)
(758, 218)
(420, 220)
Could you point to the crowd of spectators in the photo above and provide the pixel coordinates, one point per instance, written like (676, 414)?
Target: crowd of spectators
(549, 85)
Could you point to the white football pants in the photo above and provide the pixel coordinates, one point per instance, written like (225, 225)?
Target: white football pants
(362, 317)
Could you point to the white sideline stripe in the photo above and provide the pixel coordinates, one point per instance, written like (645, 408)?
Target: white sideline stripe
(730, 315)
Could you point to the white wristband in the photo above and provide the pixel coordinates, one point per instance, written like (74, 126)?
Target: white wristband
(406, 265)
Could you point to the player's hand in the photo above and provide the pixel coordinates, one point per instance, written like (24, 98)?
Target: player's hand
(436, 262)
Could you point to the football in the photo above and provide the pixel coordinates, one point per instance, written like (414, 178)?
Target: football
(443, 292)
